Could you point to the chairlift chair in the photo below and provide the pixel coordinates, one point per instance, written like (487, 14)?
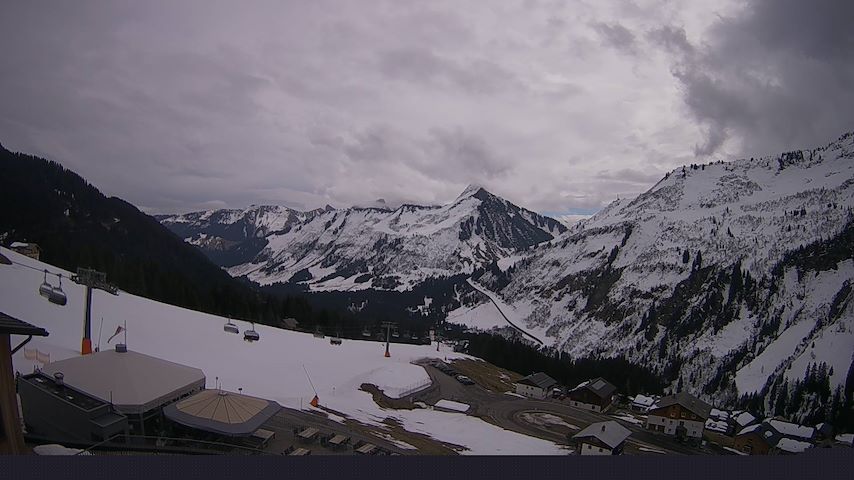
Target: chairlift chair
(251, 335)
(366, 333)
(45, 288)
(57, 296)
(230, 327)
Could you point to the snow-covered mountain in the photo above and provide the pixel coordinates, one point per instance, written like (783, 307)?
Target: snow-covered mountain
(723, 276)
(365, 247)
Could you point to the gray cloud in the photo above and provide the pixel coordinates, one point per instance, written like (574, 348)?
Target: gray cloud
(774, 76)
(617, 36)
(184, 105)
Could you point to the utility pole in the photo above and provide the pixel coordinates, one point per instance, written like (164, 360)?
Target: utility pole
(387, 326)
(91, 279)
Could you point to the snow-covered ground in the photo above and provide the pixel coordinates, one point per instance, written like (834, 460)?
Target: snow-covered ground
(273, 368)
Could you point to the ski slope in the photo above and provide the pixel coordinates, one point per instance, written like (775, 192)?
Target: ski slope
(273, 368)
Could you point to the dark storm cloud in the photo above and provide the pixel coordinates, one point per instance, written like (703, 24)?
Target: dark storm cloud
(617, 36)
(775, 76)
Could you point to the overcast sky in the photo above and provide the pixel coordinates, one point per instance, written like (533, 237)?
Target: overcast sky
(559, 106)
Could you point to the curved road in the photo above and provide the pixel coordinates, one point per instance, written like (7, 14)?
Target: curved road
(505, 410)
(489, 295)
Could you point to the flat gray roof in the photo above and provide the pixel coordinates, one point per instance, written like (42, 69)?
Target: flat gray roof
(136, 382)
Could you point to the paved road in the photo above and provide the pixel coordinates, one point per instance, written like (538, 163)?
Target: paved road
(494, 303)
(505, 411)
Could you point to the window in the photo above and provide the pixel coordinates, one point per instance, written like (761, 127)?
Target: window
(681, 423)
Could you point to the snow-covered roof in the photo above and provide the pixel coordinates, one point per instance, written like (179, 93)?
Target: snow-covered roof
(846, 438)
(743, 418)
(791, 429)
(452, 405)
(717, 426)
(749, 429)
(642, 400)
(610, 433)
(19, 245)
(719, 414)
(792, 446)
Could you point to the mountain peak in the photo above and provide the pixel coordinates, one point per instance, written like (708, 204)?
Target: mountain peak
(472, 190)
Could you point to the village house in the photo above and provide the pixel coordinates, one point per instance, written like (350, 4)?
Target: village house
(719, 421)
(602, 438)
(641, 403)
(682, 415)
(596, 395)
(774, 436)
(756, 439)
(536, 385)
(31, 250)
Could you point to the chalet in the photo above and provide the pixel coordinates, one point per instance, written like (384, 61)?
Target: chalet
(680, 414)
(31, 250)
(756, 439)
(845, 439)
(536, 385)
(602, 438)
(596, 395)
(290, 323)
(774, 436)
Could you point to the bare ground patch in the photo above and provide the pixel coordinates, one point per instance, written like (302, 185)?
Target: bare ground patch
(487, 375)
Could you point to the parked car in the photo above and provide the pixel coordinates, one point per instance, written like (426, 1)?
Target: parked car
(464, 380)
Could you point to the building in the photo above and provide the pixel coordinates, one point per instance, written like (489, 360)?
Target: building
(536, 385)
(137, 386)
(757, 439)
(31, 250)
(774, 436)
(56, 411)
(682, 415)
(641, 403)
(602, 438)
(290, 323)
(740, 419)
(11, 438)
(222, 413)
(595, 395)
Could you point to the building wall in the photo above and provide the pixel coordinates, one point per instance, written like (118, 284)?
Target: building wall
(49, 416)
(530, 391)
(592, 449)
(751, 443)
(585, 398)
(11, 440)
(668, 418)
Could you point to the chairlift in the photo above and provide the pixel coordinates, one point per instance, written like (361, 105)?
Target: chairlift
(57, 296)
(251, 335)
(230, 327)
(45, 289)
